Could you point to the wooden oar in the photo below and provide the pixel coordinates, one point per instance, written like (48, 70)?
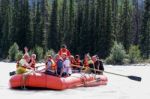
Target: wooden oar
(14, 72)
(135, 78)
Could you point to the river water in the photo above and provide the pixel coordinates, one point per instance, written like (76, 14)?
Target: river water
(117, 87)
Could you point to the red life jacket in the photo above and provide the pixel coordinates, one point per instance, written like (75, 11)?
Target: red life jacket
(86, 63)
(64, 50)
(33, 64)
(77, 62)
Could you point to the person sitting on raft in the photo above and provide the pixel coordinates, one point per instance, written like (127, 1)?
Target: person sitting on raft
(50, 66)
(88, 64)
(24, 65)
(67, 71)
(33, 60)
(59, 63)
(98, 64)
(20, 57)
(77, 64)
(64, 50)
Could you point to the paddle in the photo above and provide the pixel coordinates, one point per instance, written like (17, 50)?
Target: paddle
(135, 78)
(14, 72)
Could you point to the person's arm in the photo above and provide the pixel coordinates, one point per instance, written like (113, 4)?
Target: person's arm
(26, 50)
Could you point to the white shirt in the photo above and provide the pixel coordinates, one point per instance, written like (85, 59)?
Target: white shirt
(67, 67)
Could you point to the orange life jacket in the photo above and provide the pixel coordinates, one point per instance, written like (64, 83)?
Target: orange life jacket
(53, 65)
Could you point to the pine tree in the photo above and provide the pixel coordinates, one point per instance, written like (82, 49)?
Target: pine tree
(115, 19)
(45, 23)
(85, 28)
(21, 23)
(53, 34)
(101, 30)
(92, 28)
(78, 29)
(64, 22)
(145, 32)
(108, 34)
(15, 21)
(136, 20)
(5, 29)
(125, 21)
(71, 27)
(37, 27)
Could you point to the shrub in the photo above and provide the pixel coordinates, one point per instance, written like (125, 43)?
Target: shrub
(19, 55)
(50, 52)
(117, 54)
(134, 54)
(13, 50)
(39, 52)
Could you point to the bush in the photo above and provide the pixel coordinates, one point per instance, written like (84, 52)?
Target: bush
(13, 50)
(19, 55)
(39, 52)
(134, 54)
(50, 52)
(117, 54)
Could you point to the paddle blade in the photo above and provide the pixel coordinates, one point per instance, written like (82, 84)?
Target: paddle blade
(12, 73)
(135, 78)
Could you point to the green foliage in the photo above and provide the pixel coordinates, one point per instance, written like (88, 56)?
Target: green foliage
(39, 52)
(13, 50)
(85, 26)
(145, 35)
(134, 54)
(117, 54)
(19, 55)
(50, 52)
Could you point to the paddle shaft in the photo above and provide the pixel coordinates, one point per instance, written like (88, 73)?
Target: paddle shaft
(14, 72)
(101, 71)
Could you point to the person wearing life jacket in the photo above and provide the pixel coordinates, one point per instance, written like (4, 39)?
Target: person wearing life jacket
(33, 60)
(51, 68)
(67, 71)
(72, 60)
(88, 64)
(20, 56)
(64, 50)
(98, 64)
(23, 65)
(78, 64)
(59, 63)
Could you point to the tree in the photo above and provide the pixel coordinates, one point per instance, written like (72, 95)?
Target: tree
(115, 20)
(21, 26)
(125, 21)
(5, 26)
(136, 20)
(71, 25)
(145, 32)
(85, 28)
(45, 23)
(53, 33)
(108, 35)
(37, 27)
(78, 29)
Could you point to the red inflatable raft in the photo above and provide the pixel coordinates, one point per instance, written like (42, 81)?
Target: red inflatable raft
(41, 80)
